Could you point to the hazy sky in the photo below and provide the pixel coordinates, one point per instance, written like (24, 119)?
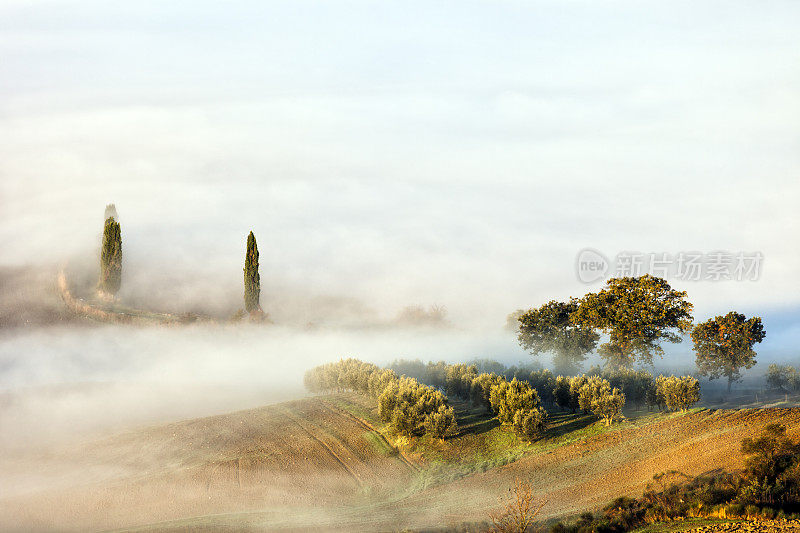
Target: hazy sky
(458, 153)
(385, 154)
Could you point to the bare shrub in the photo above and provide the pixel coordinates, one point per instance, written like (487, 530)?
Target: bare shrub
(519, 512)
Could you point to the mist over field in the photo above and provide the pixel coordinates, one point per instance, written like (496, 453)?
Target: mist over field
(389, 157)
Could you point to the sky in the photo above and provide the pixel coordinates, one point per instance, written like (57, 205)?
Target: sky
(398, 153)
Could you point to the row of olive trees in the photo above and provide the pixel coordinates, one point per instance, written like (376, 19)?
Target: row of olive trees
(665, 392)
(408, 406)
(591, 394)
(518, 402)
(603, 392)
(638, 314)
(514, 403)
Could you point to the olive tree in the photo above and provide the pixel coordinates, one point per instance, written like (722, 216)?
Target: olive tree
(530, 423)
(782, 377)
(609, 405)
(440, 423)
(481, 389)
(597, 397)
(561, 393)
(575, 385)
(677, 393)
(508, 397)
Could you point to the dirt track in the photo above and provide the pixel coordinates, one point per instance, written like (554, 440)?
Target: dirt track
(308, 465)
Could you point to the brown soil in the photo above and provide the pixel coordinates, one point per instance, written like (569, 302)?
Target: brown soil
(295, 455)
(308, 465)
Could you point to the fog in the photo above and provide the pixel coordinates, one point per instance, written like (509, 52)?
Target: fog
(385, 155)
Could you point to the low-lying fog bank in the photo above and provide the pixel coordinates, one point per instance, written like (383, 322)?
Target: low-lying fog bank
(61, 381)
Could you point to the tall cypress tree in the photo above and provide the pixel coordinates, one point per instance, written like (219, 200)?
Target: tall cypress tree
(252, 281)
(111, 257)
(111, 211)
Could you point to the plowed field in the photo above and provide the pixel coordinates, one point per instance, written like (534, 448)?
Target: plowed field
(313, 465)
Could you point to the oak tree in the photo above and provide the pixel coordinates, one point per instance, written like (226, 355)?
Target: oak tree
(637, 313)
(724, 345)
(550, 328)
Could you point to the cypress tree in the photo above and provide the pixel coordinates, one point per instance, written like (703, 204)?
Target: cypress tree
(252, 281)
(111, 211)
(111, 257)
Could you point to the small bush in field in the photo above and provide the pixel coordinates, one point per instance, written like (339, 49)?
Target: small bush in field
(530, 424)
(441, 423)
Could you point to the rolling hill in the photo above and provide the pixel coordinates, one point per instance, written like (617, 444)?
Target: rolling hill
(319, 464)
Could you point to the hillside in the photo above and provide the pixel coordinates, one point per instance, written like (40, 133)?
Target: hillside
(318, 464)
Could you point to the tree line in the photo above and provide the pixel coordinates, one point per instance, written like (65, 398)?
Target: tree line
(637, 314)
(410, 398)
(408, 406)
(639, 387)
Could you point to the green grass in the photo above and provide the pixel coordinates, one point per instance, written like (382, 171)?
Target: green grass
(482, 443)
(355, 405)
(379, 445)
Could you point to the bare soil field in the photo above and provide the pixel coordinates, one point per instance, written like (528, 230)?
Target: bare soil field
(590, 473)
(299, 455)
(315, 464)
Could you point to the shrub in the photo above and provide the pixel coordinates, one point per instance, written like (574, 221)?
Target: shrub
(608, 406)
(530, 423)
(519, 513)
(481, 389)
(561, 392)
(508, 397)
(458, 380)
(678, 393)
(575, 385)
(772, 468)
(441, 423)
